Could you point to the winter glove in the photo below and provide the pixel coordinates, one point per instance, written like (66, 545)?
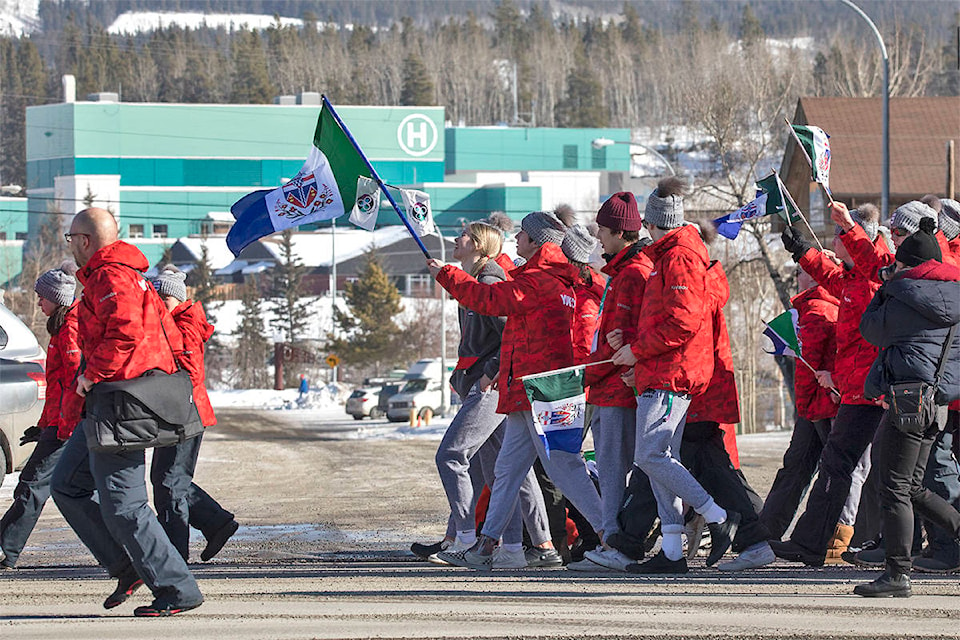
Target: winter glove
(31, 435)
(795, 243)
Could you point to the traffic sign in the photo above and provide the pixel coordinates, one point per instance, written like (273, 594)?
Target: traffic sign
(332, 360)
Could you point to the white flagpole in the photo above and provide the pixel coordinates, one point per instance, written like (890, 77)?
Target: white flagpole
(544, 374)
(805, 155)
(799, 357)
(786, 192)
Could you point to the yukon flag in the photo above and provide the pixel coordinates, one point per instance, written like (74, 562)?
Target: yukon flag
(417, 205)
(771, 199)
(322, 190)
(367, 206)
(559, 403)
(782, 331)
(816, 146)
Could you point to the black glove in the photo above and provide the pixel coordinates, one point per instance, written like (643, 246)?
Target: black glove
(795, 243)
(31, 435)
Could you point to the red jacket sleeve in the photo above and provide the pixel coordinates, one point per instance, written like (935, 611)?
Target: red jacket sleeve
(825, 271)
(191, 358)
(499, 299)
(868, 257)
(685, 308)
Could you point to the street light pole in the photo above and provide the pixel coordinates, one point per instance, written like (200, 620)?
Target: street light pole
(885, 180)
(599, 143)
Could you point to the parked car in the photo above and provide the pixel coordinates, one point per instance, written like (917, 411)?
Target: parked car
(422, 391)
(23, 387)
(388, 390)
(365, 402)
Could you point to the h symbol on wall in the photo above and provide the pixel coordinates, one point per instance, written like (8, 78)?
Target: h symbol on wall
(417, 135)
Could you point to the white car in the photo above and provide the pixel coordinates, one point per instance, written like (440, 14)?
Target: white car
(363, 402)
(420, 395)
(23, 387)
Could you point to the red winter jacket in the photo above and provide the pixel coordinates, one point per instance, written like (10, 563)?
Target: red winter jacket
(538, 304)
(192, 323)
(854, 289)
(945, 250)
(628, 272)
(120, 317)
(954, 247)
(63, 405)
(505, 263)
(720, 402)
(817, 321)
(585, 313)
(674, 340)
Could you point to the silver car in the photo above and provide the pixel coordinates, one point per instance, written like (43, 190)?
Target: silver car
(23, 387)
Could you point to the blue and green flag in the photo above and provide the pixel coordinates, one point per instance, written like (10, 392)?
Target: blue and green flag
(559, 404)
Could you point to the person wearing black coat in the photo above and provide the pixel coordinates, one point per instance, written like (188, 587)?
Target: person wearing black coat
(909, 319)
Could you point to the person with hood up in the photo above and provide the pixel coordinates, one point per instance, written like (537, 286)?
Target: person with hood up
(61, 411)
(180, 503)
(673, 358)
(538, 304)
(912, 319)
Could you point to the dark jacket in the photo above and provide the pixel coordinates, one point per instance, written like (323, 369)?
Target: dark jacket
(909, 318)
(480, 335)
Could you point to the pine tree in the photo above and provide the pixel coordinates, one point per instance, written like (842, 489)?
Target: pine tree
(251, 77)
(370, 335)
(290, 310)
(417, 89)
(583, 105)
(751, 31)
(204, 283)
(250, 361)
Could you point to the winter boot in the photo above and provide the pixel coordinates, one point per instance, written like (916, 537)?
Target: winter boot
(838, 544)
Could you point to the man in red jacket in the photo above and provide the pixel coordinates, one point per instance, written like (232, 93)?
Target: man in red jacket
(180, 503)
(538, 303)
(124, 331)
(673, 354)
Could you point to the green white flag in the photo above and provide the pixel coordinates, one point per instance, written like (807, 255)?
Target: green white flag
(783, 332)
(778, 200)
(816, 146)
(559, 404)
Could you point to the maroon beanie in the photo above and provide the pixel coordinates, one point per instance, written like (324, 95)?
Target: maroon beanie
(620, 213)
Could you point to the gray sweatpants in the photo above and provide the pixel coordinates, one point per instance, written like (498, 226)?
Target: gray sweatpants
(857, 479)
(521, 447)
(661, 416)
(614, 440)
(466, 459)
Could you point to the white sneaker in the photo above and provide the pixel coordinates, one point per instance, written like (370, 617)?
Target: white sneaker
(609, 558)
(587, 566)
(503, 559)
(758, 555)
(694, 532)
(454, 547)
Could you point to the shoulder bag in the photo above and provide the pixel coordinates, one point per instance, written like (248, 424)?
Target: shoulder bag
(912, 405)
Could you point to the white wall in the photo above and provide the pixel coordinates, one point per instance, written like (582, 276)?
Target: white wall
(70, 192)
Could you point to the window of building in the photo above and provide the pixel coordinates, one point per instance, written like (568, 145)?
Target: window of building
(3, 235)
(599, 158)
(570, 156)
(419, 284)
(21, 235)
(159, 231)
(135, 231)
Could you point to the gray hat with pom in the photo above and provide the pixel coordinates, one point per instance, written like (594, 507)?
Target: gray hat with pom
(543, 227)
(58, 285)
(665, 211)
(578, 244)
(949, 217)
(171, 282)
(907, 217)
(870, 227)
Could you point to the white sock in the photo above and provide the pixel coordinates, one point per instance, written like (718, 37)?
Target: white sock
(714, 513)
(467, 538)
(672, 546)
(513, 548)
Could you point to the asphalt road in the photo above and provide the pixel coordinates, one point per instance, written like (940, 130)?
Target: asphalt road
(321, 553)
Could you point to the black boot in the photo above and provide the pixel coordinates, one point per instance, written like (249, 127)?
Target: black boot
(721, 536)
(888, 585)
(659, 565)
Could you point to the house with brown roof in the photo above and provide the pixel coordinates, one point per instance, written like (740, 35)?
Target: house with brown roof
(920, 131)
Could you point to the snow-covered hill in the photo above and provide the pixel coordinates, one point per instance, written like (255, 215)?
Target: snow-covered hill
(19, 17)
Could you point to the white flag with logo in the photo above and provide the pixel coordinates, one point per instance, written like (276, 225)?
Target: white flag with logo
(367, 207)
(417, 205)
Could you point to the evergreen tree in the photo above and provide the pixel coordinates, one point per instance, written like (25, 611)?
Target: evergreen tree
(370, 336)
(251, 77)
(205, 284)
(291, 311)
(751, 31)
(417, 88)
(250, 361)
(583, 105)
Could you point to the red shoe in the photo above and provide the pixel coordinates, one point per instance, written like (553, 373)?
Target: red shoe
(126, 585)
(158, 609)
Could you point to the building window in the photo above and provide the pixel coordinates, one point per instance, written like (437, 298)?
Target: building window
(135, 231)
(570, 156)
(159, 231)
(3, 235)
(21, 235)
(599, 158)
(419, 284)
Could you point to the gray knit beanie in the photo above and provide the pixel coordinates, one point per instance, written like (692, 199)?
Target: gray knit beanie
(171, 282)
(907, 217)
(58, 285)
(870, 227)
(665, 205)
(578, 244)
(543, 227)
(949, 217)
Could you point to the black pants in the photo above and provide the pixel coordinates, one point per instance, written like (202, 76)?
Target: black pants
(853, 429)
(800, 462)
(903, 460)
(703, 454)
(943, 478)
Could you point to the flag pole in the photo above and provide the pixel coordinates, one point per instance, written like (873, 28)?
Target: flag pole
(376, 176)
(796, 138)
(544, 374)
(800, 358)
(784, 190)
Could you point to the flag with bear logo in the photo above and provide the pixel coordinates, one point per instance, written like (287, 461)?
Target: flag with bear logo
(417, 205)
(367, 206)
(559, 405)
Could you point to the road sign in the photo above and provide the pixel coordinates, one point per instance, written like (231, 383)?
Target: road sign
(333, 360)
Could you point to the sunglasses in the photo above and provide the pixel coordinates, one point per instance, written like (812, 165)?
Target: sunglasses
(900, 233)
(69, 236)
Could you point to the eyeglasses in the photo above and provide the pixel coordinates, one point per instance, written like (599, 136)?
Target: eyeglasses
(69, 236)
(899, 232)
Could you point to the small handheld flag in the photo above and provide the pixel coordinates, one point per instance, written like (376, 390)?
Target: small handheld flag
(559, 404)
(772, 198)
(782, 331)
(417, 205)
(367, 206)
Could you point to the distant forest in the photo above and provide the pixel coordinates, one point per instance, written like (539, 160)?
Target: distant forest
(640, 63)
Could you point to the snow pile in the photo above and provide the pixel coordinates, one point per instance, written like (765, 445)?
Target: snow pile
(134, 22)
(326, 397)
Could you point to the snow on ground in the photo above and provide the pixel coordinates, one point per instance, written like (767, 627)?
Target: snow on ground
(133, 22)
